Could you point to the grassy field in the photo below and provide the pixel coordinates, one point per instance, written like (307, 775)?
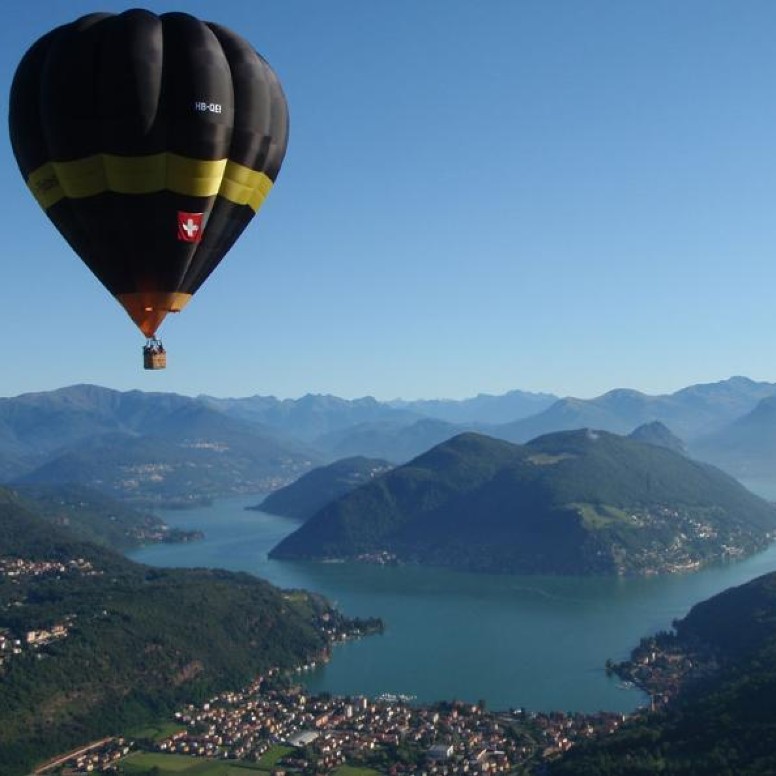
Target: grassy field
(596, 516)
(182, 765)
(157, 732)
(349, 770)
(270, 759)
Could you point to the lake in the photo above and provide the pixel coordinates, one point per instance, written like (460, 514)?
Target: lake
(536, 642)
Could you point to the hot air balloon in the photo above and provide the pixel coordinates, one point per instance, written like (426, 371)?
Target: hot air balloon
(150, 142)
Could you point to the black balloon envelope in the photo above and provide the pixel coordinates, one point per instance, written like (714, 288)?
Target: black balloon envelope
(150, 142)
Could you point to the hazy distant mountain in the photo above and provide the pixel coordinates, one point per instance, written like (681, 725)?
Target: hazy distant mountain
(39, 423)
(571, 502)
(12, 466)
(312, 491)
(396, 442)
(312, 416)
(747, 446)
(483, 408)
(656, 433)
(690, 413)
(163, 448)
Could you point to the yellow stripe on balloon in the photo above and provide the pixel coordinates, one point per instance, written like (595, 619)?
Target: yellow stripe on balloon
(45, 186)
(135, 174)
(194, 177)
(244, 186)
(100, 173)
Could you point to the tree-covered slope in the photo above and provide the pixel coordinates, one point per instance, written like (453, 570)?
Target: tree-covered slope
(313, 490)
(93, 516)
(724, 725)
(125, 642)
(571, 502)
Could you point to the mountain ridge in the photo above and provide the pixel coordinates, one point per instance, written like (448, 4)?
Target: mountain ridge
(263, 443)
(690, 412)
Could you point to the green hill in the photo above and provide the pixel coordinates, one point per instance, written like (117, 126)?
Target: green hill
(130, 642)
(571, 502)
(312, 491)
(724, 725)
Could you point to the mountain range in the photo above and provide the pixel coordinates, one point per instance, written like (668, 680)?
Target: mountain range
(147, 447)
(691, 413)
(157, 448)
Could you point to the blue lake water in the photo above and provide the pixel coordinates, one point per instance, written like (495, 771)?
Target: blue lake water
(537, 642)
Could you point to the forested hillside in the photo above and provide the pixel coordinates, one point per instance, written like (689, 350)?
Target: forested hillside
(723, 725)
(572, 502)
(93, 643)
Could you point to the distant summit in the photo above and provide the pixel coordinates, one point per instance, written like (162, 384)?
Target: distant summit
(747, 446)
(483, 408)
(656, 433)
(577, 502)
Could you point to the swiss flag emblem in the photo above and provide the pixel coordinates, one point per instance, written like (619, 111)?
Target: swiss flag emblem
(190, 226)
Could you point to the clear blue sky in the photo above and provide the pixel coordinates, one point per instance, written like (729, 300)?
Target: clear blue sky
(564, 196)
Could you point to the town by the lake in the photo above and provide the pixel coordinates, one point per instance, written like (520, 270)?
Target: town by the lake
(274, 724)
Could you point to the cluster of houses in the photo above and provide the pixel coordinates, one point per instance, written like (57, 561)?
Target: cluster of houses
(11, 646)
(17, 568)
(661, 665)
(691, 533)
(37, 638)
(327, 732)
(98, 757)
(559, 731)
(323, 733)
